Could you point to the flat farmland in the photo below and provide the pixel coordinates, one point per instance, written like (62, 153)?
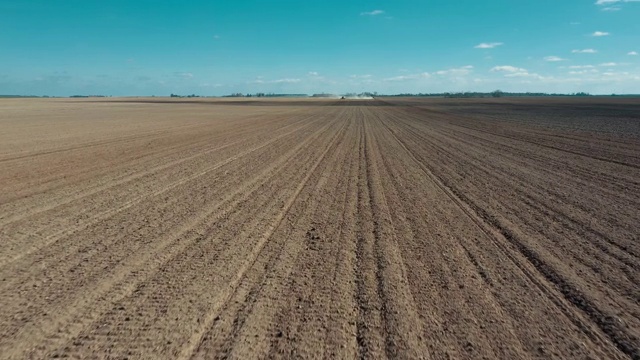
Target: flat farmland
(388, 228)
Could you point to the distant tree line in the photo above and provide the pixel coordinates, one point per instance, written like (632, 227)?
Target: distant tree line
(269, 95)
(182, 96)
(467, 94)
(47, 96)
(364, 94)
(23, 96)
(494, 94)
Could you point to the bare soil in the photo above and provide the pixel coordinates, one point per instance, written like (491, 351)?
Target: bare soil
(390, 228)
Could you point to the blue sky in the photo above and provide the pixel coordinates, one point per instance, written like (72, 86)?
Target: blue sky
(158, 47)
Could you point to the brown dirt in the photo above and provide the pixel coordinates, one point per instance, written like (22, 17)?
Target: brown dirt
(398, 228)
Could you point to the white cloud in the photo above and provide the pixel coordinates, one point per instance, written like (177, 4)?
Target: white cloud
(508, 69)
(611, 2)
(448, 75)
(632, 53)
(515, 72)
(609, 64)
(488, 45)
(367, 76)
(184, 75)
(461, 71)
(524, 74)
(613, 73)
(423, 75)
(553, 58)
(259, 80)
(600, 33)
(315, 76)
(372, 13)
(613, 5)
(585, 51)
(400, 78)
(286, 81)
(581, 67)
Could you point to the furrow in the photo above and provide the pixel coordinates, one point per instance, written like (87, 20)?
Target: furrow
(197, 337)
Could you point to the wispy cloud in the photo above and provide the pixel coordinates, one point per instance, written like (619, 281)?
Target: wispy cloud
(515, 72)
(600, 33)
(553, 59)
(612, 2)
(581, 67)
(260, 80)
(582, 72)
(585, 51)
(488, 45)
(315, 76)
(286, 81)
(423, 75)
(366, 76)
(508, 69)
(609, 64)
(614, 73)
(632, 53)
(372, 13)
(613, 5)
(461, 71)
(524, 74)
(184, 75)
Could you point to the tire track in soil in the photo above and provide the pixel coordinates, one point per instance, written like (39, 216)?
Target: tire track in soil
(443, 270)
(345, 231)
(604, 159)
(51, 239)
(251, 307)
(369, 328)
(590, 243)
(127, 278)
(300, 327)
(320, 314)
(119, 139)
(589, 239)
(90, 145)
(196, 339)
(399, 313)
(112, 183)
(593, 252)
(59, 183)
(500, 235)
(160, 293)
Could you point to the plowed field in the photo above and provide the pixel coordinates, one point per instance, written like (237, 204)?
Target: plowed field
(393, 228)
